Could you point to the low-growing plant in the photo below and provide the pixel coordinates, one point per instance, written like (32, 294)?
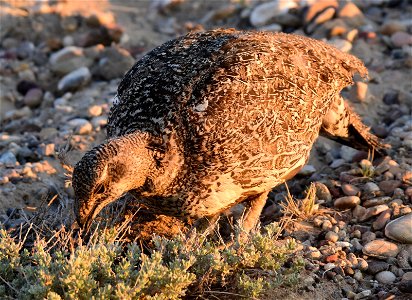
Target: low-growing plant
(366, 167)
(107, 268)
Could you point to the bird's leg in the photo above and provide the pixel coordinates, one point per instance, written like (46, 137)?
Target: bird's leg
(251, 218)
(206, 224)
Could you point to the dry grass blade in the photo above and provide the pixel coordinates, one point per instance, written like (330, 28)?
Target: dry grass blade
(301, 209)
(62, 156)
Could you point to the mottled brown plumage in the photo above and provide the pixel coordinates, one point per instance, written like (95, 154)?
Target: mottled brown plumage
(216, 118)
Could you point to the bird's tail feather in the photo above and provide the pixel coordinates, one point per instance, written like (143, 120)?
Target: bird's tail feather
(343, 125)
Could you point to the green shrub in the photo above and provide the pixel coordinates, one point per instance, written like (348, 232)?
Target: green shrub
(106, 268)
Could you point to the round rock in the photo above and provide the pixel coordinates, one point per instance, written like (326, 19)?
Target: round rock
(371, 187)
(405, 286)
(75, 79)
(385, 277)
(33, 97)
(381, 248)
(265, 12)
(350, 189)
(400, 39)
(347, 202)
(331, 236)
(400, 229)
(376, 266)
(80, 126)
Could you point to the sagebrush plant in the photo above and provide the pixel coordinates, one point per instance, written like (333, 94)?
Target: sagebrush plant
(107, 268)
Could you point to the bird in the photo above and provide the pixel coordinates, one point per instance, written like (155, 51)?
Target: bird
(216, 118)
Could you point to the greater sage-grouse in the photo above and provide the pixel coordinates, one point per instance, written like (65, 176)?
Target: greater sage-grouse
(215, 118)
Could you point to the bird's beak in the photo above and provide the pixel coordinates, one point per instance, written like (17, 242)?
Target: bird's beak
(87, 213)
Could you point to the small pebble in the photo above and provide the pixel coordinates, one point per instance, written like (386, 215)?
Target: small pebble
(363, 294)
(407, 276)
(350, 189)
(385, 277)
(405, 286)
(8, 159)
(81, 126)
(376, 266)
(343, 244)
(370, 187)
(358, 275)
(362, 264)
(400, 229)
(382, 220)
(329, 266)
(400, 39)
(388, 186)
(262, 14)
(373, 211)
(352, 259)
(347, 202)
(33, 98)
(336, 163)
(74, 80)
(322, 191)
(368, 237)
(381, 248)
(95, 110)
(327, 225)
(314, 253)
(331, 236)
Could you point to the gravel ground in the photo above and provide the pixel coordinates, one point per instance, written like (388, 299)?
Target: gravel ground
(60, 66)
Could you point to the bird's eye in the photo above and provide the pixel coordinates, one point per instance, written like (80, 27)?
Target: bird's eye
(100, 189)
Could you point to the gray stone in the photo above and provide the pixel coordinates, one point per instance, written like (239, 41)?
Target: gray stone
(368, 236)
(25, 50)
(385, 277)
(363, 294)
(74, 80)
(371, 187)
(8, 159)
(336, 163)
(69, 59)
(33, 98)
(407, 276)
(400, 229)
(307, 170)
(388, 186)
(376, 201)
(347, 153)
(263, 13)
(341, 44)
(322, 192)
(114, 62)
(80, 126)
(400, 39)
(272, 28)
(376, 266)
(405, 286)
(403, 260)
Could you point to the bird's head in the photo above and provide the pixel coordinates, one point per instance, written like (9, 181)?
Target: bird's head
(108, 171)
